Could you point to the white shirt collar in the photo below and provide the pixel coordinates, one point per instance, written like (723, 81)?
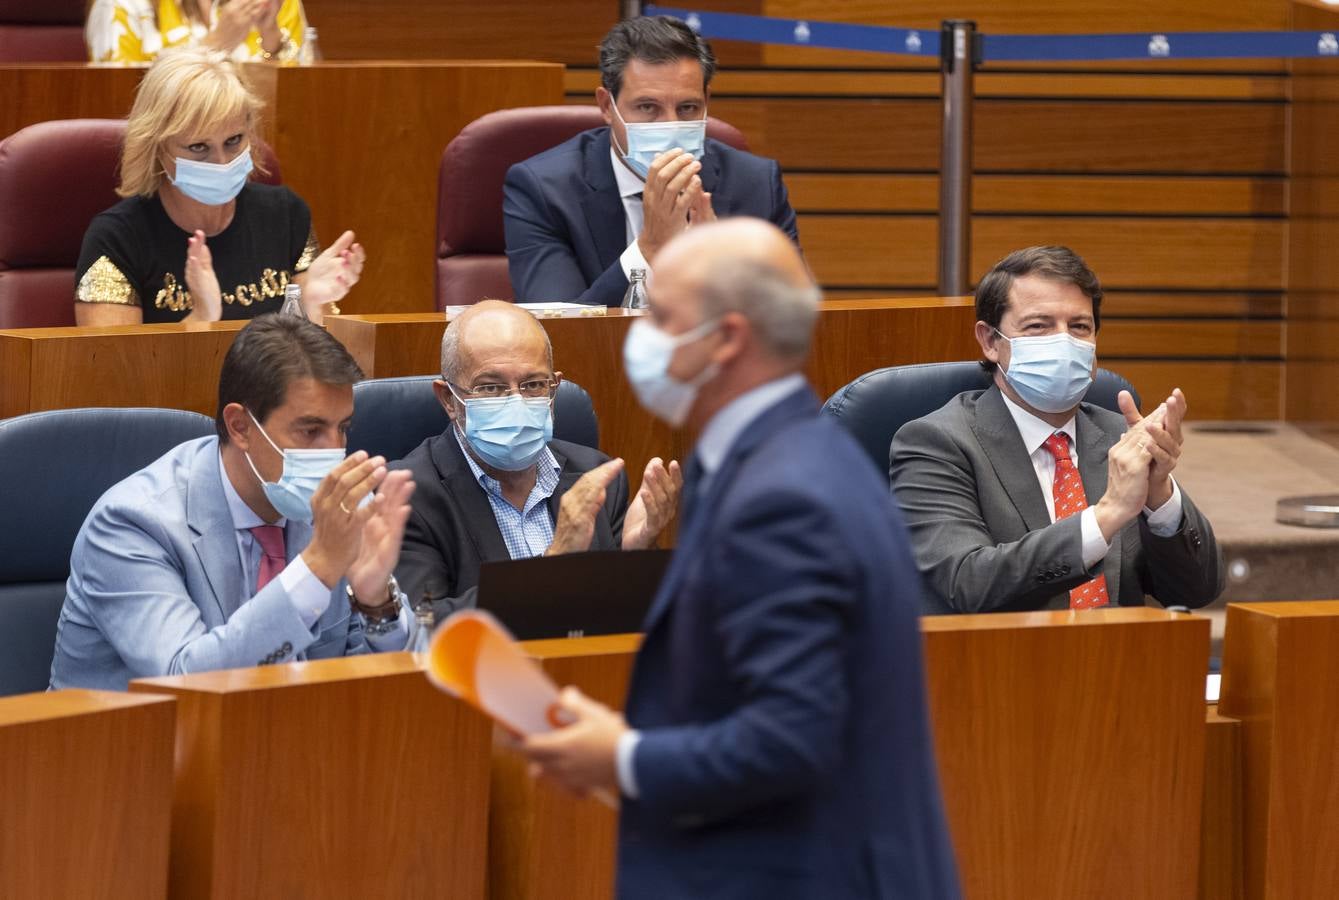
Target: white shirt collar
(629, 185)
(1033, 430)
(243, 516)
(728, 424)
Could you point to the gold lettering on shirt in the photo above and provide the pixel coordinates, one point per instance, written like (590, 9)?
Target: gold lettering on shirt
(176, 298)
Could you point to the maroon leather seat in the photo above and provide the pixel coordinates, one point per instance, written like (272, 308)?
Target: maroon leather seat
(45, 31)
(54, 178)
(471, 248)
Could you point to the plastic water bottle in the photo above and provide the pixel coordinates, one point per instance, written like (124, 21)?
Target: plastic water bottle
(423, 625)
(635, 298)
(293, 301)
(311, 48)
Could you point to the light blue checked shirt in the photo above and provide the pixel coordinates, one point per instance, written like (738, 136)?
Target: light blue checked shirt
(527, 532)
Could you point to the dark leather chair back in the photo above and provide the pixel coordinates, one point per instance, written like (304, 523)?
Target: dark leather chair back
(392, 416)
(471, 247)
(54, 178)
(878, 403)
(49, 31)
(57, 464)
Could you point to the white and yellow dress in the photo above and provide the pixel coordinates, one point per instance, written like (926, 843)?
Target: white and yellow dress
(136, 31)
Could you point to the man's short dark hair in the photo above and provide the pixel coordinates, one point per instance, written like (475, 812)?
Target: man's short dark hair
(1053, 263)
(651, 39)
(272, 352)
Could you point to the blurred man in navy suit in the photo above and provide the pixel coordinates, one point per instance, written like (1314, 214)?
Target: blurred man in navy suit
(776, 741)
(579, 218)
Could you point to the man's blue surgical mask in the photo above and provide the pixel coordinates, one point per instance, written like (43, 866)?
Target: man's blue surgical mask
(647, 140)
(1050, 372)
(508, 433)
(304, 470)
(213, 184)
(647, 353)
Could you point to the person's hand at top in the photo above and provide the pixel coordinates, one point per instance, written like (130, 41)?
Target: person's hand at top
(673, 188)
(331, 275)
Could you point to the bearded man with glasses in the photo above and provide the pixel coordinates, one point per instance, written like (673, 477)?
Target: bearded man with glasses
(496, 485)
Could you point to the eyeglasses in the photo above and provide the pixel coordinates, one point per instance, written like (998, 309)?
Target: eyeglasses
(531, 390)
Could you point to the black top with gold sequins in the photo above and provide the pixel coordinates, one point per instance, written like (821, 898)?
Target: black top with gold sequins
(133, 254)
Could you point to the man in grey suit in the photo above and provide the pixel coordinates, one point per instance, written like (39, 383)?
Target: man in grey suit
(1021, 497)
(261, 545)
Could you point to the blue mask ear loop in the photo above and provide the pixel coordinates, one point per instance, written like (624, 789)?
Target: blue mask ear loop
(265, 435)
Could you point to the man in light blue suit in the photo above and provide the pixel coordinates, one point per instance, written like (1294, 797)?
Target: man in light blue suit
(580, 217)
(249, 548)
(777, 742)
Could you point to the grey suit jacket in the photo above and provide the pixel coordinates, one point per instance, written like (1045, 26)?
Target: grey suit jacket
(983, 537)
(156, 588)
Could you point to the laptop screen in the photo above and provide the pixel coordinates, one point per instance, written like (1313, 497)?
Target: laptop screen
(574, 594)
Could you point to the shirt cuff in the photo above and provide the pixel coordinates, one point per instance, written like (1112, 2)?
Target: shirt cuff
(1095, 547)
(632, 259)
(395, 639)
(309, 596)
(627, 772)
(1166, 519)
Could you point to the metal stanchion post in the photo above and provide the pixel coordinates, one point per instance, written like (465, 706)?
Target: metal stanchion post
(632, 9)
(958, 60)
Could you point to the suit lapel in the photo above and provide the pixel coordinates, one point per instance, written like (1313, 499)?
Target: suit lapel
(211, 524)
(1093, 443)
(998, 436)
(480, 524)
(711, 173)
(796, 406)
(602, 207)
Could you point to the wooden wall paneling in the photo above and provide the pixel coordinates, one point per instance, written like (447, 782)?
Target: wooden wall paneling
(1050, 794)
(1313, 270)
(876, 251)
(1144, 253)
(288, 776)
(1257, 305)
(1214, 389)
(1168, 195)
(1191, 338)
(1082, 136)
(376, 171)
(39, 93)
(446, 29)
(1221, 825)
(1279, 668)
(545, 844)
(86, 783)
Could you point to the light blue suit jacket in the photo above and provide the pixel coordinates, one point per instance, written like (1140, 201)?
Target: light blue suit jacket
(156, 585)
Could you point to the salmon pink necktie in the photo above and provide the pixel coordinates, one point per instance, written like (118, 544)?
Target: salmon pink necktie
(272, 561)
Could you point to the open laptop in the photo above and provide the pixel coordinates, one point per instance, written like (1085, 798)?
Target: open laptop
(572, 595)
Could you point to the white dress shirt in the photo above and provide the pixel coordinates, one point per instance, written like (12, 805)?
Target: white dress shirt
(717, 438)
(1163, 521)
(630, 190)
(308, 595)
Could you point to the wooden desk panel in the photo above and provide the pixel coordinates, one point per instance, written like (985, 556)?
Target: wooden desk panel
(1221, 821)
(543, 844)
(336, 778)
(86, 793)
(1071, 750)
(1279, 673)
(171, 366)
(853, 337)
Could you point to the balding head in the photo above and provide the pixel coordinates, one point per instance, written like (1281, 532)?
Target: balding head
(750, 267)
(492, 332)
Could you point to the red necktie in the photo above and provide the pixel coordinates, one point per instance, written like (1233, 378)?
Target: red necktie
(1067, 491)
(272, 560)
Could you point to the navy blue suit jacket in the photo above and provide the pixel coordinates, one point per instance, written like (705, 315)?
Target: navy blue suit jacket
(566, 227)
(785, 747)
